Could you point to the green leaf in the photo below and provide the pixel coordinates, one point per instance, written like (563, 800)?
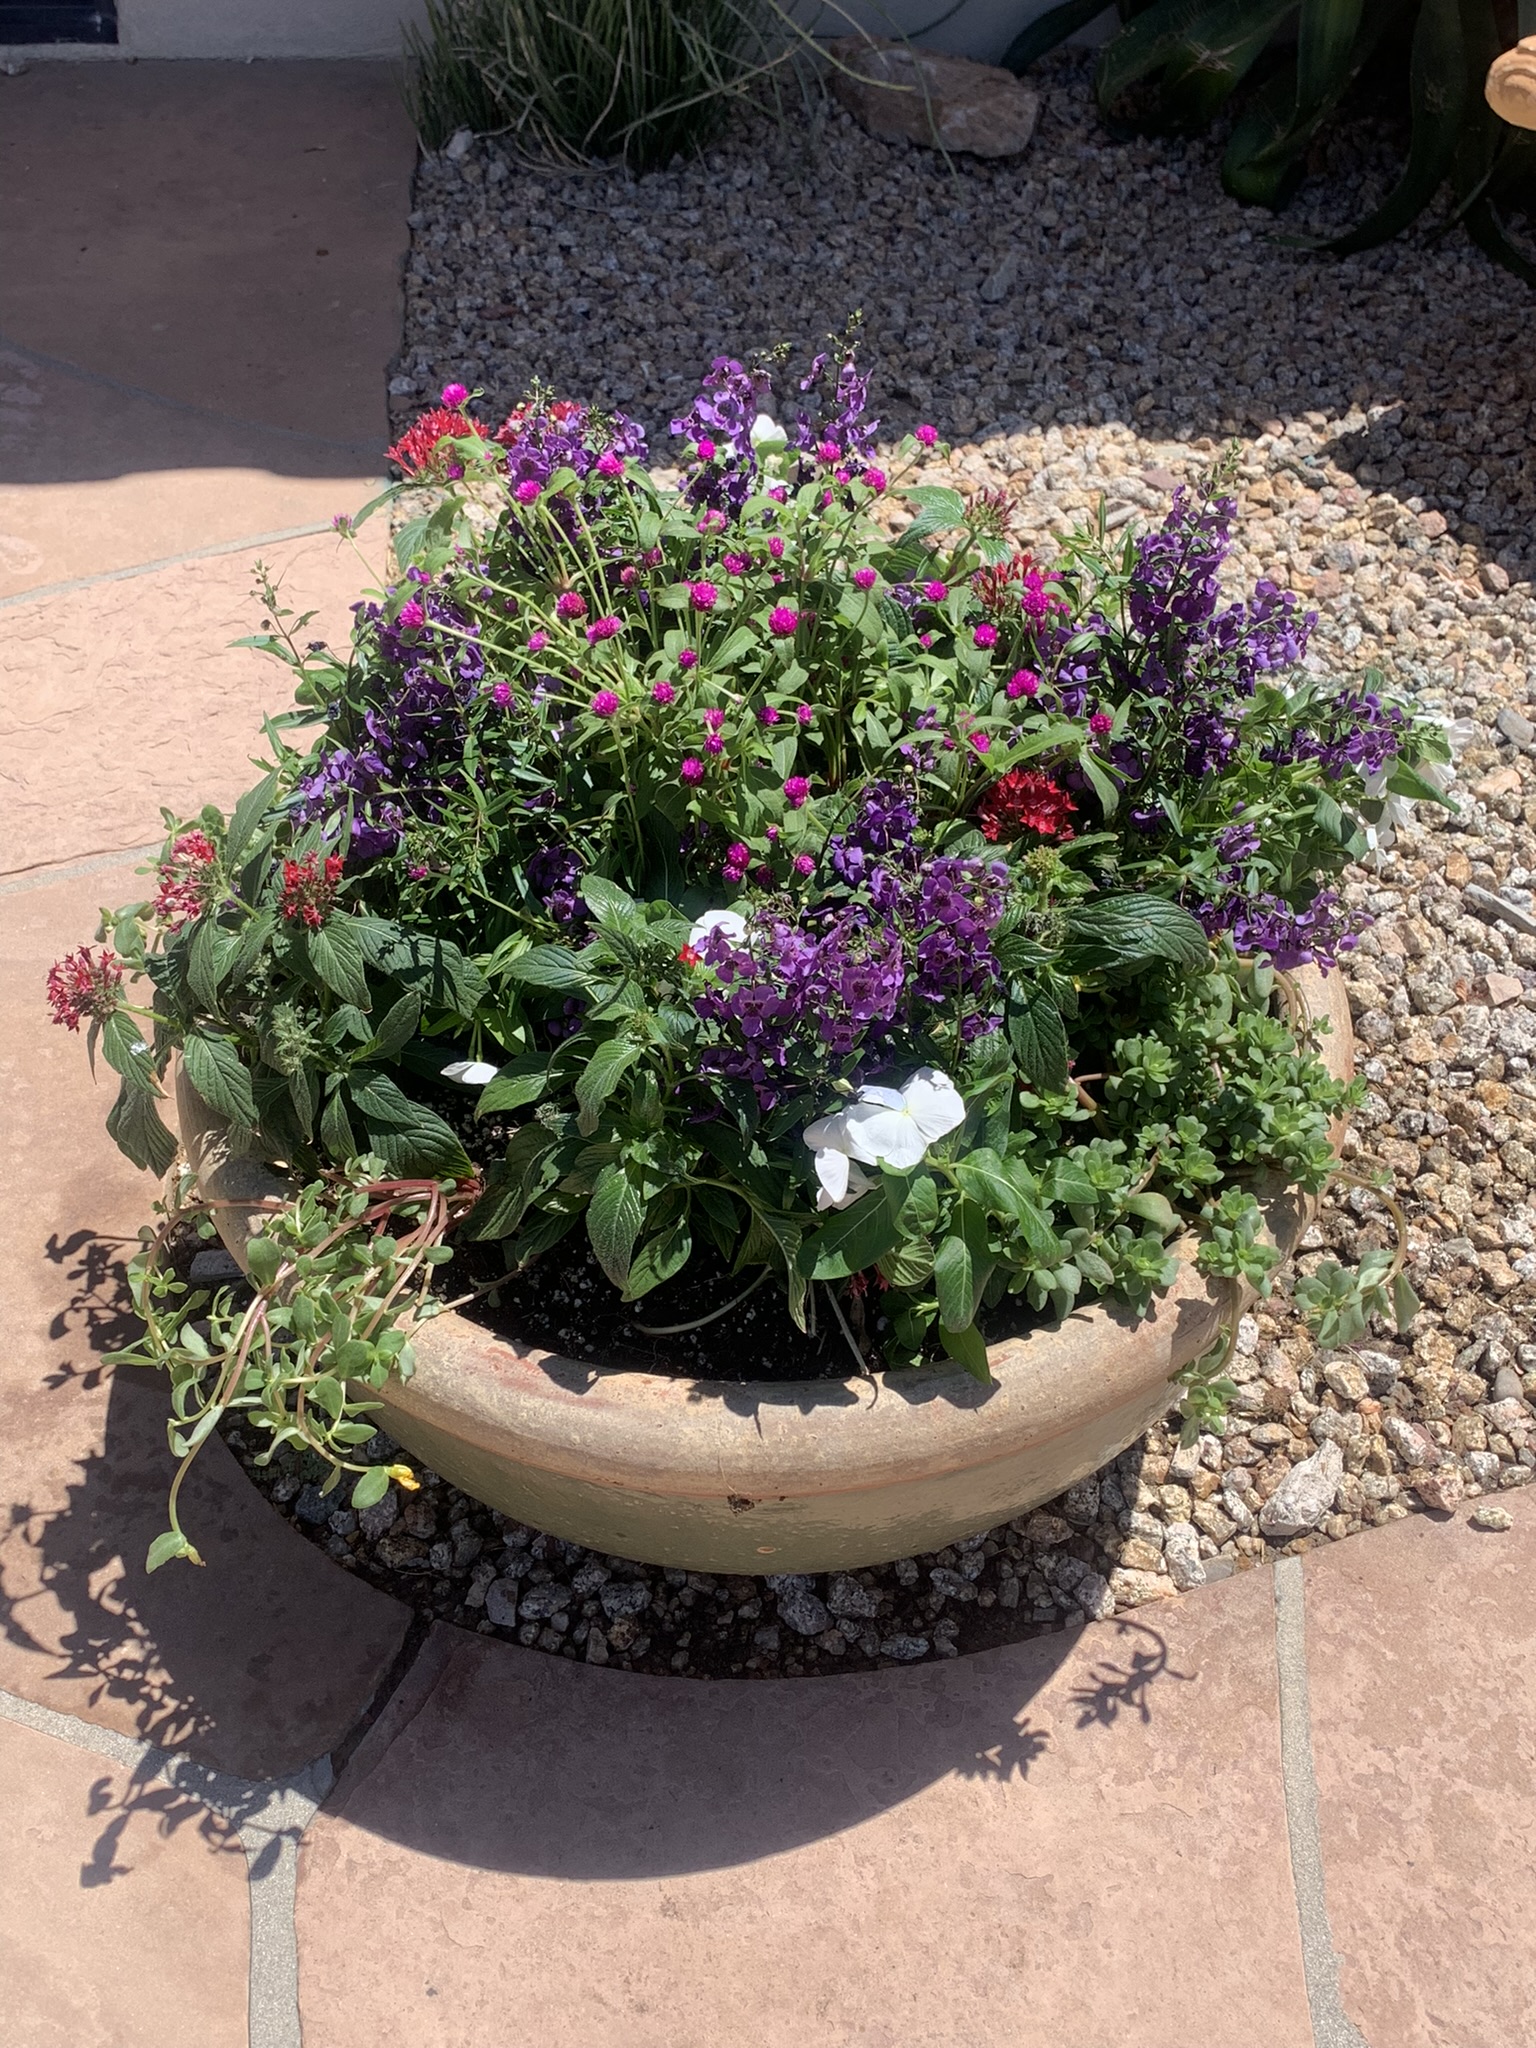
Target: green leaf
(1047, 31)
(335, 1129)
(423, 961)
(551, 967)
(335, 957)
(1442, 93)
(249, 812)
(217, 1072)
(939, 510)
(1405, 1304)
(967, 1348)
(400, 1021)
(122, 1041)
(1105, 787)
(410, 1138)
(1120, 935)
(520, 1082)
(614, 1216)
(210, 956)
(1154, 1209)
(1039, 1040)
(598, 1079)
(610, 904)
(659, 1258)
(919, 1210)
(511, 1184)
(850, 1239)
(371, 1487)
(987, 1181)
(954, 1277)
(169, 1544)
(134, 1126)
(263, 1259)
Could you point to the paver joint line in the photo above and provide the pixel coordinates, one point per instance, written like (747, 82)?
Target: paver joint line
(42, 591)
(1331, 2025)
(46, 872)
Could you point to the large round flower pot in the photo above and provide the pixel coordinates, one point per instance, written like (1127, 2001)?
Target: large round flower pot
(807, 1476)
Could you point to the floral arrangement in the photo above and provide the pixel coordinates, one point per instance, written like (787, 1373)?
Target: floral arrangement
(823, 880)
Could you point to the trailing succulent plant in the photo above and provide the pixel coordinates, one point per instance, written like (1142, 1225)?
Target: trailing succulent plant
(902, 918)
(1289, 69)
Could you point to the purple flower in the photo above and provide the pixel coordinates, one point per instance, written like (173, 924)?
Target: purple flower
(692, 771)
(605, 703)
(719, 425)
(703, 596)
(688, 659)
(864, 579)
(411, 614)
(604, 629)
(1022, 683)
(783, 621)
(554, 875)
(454, 394)
(935, 592)
(537, 642)
(662, 692)
(529, 491)
(796, 790)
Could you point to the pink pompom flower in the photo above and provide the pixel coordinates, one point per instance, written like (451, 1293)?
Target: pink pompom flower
(537, 642)
(935, 592)
(804, 865)
(925, 436)
(1101, 723)
(605, 703)
(783, 621)
(455, 394)
(692, 771)
(604, 629)
(688, 659)
(411, 613)
(662, 692)
(570, 604)
(796, 790)
(527, 492)
(1022, 683)
(703, 596)
(985, 634)
(864, 579)
(609, 465)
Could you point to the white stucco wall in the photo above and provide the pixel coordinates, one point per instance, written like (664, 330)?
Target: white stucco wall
(371, 28)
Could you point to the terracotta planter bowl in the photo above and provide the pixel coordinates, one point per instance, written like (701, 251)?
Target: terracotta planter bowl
(809, 1476)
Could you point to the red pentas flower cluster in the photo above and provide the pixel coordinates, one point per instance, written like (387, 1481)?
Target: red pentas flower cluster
(418, 452)
(184, 878)
(309, 889)
(1024, 800)
(84, 985)
(1012, 586)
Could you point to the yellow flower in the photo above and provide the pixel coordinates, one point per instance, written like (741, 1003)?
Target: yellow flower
(402, 1475)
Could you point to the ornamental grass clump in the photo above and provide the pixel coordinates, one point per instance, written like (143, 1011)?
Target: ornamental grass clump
(834, 886)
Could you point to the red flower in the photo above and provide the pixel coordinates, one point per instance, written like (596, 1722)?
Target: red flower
(1011, 586)
(309, 890)
(81, 986)
(1024, 800)
(185, 875)
(416, 449)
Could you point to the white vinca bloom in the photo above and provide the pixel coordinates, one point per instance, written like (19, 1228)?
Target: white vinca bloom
(767, 436)
(472, 1073)
(730, 922)
(881, 1127)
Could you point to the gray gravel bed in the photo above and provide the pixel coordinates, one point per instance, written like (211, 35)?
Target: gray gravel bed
(1093, 323)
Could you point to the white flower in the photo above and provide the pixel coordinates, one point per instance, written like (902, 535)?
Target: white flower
(767, 436)
(881, 1127)
(472, 1073)
(731, 922)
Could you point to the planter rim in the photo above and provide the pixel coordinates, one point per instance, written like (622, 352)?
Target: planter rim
(742, 1441)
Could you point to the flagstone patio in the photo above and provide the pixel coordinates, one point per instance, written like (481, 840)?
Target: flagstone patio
(257, 1802)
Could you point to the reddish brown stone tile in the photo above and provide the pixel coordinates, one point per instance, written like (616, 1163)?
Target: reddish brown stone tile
(225, 236)
(266, 1657)
(124, 1920)
(1009, 1849)
(1421, 1649)
(129, 695)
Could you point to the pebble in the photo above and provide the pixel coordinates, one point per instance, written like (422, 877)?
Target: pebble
(807, 1614)
(1304, 1496)
(1492, 1518)
(1181, 1548)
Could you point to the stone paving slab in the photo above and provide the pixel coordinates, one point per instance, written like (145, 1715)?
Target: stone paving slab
(227, 236)
(1421, 1646)
(129, 695)
(1005, 1851)
(123, 1920)
(266, 1657)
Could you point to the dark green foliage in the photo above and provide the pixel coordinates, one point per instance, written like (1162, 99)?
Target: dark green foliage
(1290, 67)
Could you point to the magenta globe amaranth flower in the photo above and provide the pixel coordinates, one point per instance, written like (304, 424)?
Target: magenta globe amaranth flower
(703, 596)
(604, 629)
(570, 604)
(454, 394)
(528, 491)
(605, 703)
(783, 621)
(691, 772)
(985, 635)
(662, 692)
(796, 789)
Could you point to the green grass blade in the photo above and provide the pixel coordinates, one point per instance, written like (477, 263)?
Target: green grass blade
(1263, 158)
(1441, 89)
(1053, 28)
(1325, 41)
(1188, 34)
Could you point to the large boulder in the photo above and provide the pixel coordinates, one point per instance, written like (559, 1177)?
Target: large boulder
(909, 95)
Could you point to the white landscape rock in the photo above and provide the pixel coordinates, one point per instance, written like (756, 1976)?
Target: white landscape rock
(1304, 1495)
(908, 95)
